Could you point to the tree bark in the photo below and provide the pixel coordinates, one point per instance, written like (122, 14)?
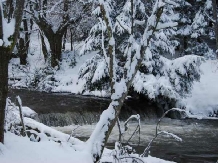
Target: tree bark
(44, 48)
(18, 14)
(4, 55)
(55, 42)
(22, 52)
(54, 39)
(23, 44)
(64, 40)
(214, 5)
(71, 39)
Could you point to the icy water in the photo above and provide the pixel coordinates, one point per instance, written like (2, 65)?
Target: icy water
(200, 137)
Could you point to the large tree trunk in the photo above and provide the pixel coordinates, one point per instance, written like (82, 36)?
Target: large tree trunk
(55, 42)
(4, 54)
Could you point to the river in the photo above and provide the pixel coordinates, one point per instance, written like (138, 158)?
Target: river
(199, 137)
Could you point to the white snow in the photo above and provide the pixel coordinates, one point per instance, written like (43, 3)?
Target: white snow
(22, 150)
(203, 100)
(8, 29)
(68, 76)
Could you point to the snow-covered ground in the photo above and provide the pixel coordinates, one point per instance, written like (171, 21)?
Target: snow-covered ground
(203, 100)
(22, 150)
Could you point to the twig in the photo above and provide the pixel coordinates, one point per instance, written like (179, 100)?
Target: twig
(137, 129)
(159, 132)
(19, 102)
(72, 133)
(132, 158)
(120, 132)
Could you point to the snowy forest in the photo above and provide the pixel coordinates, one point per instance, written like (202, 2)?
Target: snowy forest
(116, 81)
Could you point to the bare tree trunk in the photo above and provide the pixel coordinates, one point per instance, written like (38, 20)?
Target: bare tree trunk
(55, 42)
(27, 36)
(64, 40)
(71, 39)
(22, 51)
(4, 55)
(23, 45)
(44, 48)
(214, 5)
(56, 48)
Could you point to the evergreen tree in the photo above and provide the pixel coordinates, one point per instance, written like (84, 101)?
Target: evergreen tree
(159, 79)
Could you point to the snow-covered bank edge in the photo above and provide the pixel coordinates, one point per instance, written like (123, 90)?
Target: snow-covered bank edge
(47, 145)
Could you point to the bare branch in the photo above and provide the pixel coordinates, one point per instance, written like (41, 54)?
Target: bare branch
(159, 132)
(19, 103)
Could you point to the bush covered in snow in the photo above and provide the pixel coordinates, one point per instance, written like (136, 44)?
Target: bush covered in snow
(159, 79)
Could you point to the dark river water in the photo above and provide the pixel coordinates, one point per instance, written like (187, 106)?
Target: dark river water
(199, 137)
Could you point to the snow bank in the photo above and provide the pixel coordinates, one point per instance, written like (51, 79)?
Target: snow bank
(45, 144)
(22, 150)
(203, 101)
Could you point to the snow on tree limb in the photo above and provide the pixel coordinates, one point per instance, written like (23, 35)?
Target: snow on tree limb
(135, 52)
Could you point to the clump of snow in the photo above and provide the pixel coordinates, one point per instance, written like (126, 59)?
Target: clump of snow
(203, 101)
(27, 112)
(8, 29)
